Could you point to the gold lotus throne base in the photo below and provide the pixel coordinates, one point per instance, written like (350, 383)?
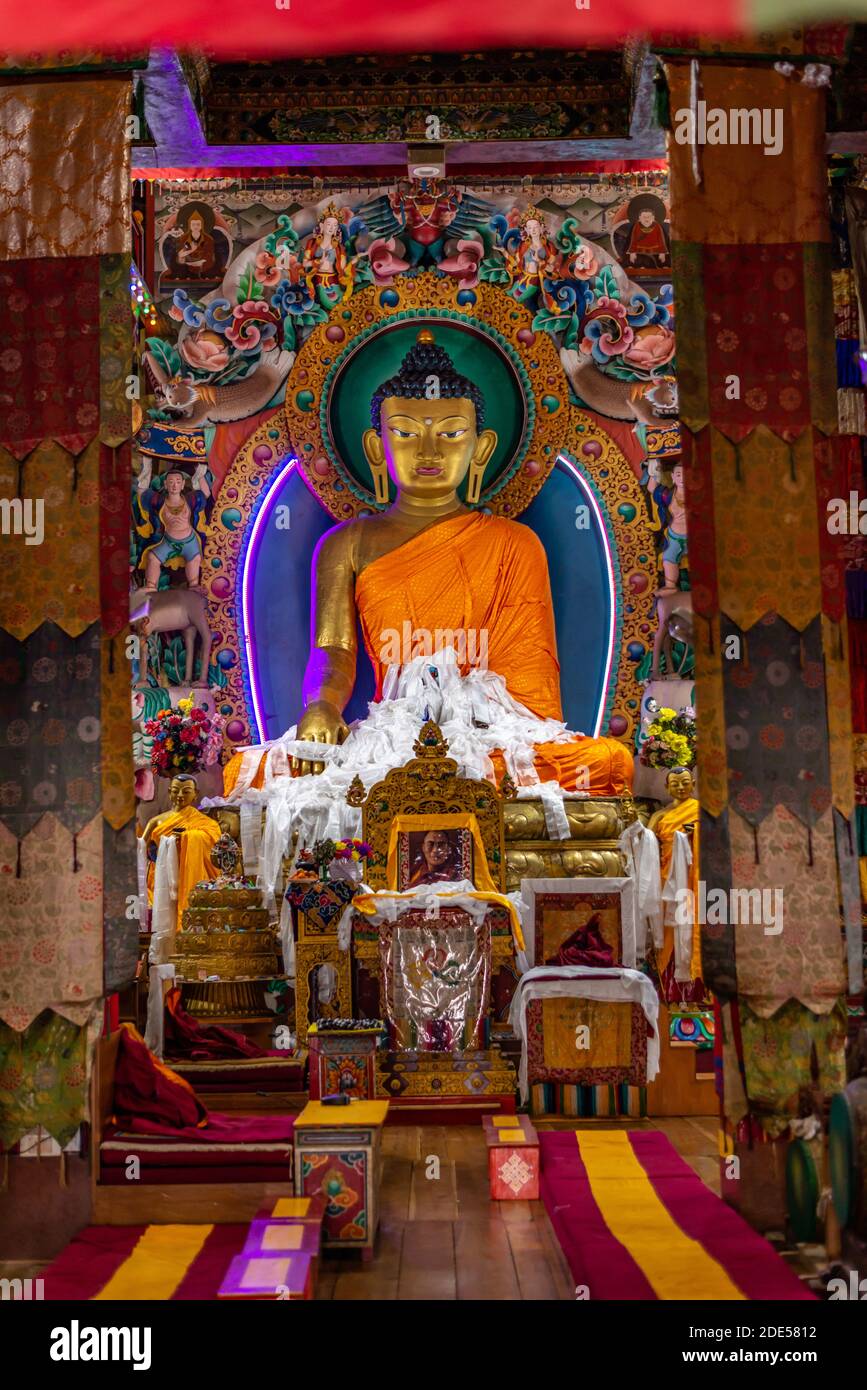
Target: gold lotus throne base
(591, 851)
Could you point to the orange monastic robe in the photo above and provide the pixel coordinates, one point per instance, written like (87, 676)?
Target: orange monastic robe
(200, 835)
(483, 574)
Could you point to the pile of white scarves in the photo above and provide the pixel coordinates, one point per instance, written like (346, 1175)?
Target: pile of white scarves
(476, 715)
(613, 985)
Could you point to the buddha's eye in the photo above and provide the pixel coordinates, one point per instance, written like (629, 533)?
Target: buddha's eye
(402, 434)
(453, 434)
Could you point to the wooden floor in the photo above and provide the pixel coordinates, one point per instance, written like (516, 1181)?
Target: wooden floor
(442, 1238)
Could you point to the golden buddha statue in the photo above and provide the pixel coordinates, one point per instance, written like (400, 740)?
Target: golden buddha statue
(436, 570)
(433, 563)
(196, 834)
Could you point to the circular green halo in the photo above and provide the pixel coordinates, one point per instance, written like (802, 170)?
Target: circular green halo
(491, 340)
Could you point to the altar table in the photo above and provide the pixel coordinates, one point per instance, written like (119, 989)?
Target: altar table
(338, 1153)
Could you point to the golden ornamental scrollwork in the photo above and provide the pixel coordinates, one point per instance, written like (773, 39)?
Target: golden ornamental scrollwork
(429, 785)
(429, 297)
(356, 795)
(430, 742)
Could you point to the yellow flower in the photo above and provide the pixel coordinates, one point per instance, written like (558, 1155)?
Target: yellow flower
(340, 844)
(356, 856)
(185, 705)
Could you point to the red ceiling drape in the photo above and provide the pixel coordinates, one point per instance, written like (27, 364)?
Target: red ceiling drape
(318, 27)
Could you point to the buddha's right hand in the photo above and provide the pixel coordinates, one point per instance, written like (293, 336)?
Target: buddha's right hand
(321, 722)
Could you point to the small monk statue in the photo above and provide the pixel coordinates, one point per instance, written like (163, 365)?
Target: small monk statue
(432, 559)
(683, 815)
(197, 834)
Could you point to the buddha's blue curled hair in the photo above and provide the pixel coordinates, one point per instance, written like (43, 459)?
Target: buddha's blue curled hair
(423, 361)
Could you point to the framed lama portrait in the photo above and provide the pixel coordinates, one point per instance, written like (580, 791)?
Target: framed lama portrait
(434, 855)
(436, 849)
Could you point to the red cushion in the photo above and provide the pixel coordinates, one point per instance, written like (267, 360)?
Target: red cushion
(230, 1147)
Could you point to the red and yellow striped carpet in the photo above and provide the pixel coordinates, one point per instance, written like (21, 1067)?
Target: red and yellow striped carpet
(635, 1222)
(144, 1263)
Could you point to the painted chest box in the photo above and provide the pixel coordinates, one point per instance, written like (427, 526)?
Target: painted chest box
(513, 1158)
(343, 1061)
(338, 1156)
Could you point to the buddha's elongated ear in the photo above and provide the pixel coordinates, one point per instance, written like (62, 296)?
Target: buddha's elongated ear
(485, 446)
(375, 455)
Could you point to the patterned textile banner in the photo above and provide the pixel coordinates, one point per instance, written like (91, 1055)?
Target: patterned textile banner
(778, 1058)
(118, 774)
(743, 197)
(64, 148)
(846, 837)
(768, 561)
(120, 947)
(51, 924)
(718, 962)
(57, 581)
(710, 717)
(50, 357)
(791, 944)
(770, 388)
(751, 253)
(115, 349)
(776, 724)
(838, 697)
(50, 748)
(44, 1073)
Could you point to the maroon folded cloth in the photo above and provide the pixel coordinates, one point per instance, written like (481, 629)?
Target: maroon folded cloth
(186, 1037)
(586, 946)
(146, 1091)
(218, 1129)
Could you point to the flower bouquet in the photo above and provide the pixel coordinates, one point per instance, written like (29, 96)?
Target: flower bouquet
(341, 859)
(671, 738)
(185, 739)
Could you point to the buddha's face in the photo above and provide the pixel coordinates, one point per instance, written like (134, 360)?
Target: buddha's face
(428, 445)
(679, 785)
(182, 794)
